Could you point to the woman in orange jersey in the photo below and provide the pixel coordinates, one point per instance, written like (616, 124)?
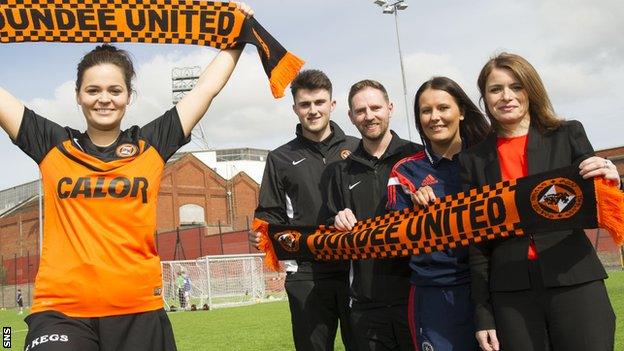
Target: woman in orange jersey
(542, 291)
(100, 191)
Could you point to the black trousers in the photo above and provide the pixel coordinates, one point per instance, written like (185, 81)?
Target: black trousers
(578, 317)
(382, 328)
(316, 306)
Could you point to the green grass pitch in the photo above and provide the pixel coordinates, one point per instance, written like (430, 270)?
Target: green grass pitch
(265, 326)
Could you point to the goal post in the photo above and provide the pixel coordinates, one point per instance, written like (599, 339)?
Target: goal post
(220, 281)
(184, 284)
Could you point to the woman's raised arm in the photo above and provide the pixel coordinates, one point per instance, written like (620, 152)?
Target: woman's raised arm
(195, 104)
(11, 113)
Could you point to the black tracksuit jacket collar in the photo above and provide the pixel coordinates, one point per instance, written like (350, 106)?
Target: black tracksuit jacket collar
(336, 136)
(360, 155)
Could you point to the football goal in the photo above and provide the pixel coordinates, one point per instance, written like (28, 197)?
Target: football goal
(219, 281)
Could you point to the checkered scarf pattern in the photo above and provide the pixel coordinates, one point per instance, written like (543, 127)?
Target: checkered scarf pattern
(554, 200)
(216, 24)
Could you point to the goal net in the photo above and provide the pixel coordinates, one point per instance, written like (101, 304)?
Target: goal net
(219, 281)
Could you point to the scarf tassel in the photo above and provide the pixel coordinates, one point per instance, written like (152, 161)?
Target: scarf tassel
(265, 245)
(283, 73)
(610, 209)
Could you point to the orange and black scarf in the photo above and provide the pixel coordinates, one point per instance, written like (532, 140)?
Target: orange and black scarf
(216, 24)
(554, 200)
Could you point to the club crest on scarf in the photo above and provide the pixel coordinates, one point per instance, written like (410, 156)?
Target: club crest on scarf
(557, 198)
(288, 239)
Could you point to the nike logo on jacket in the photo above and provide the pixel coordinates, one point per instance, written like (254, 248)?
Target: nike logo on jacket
(351, 186)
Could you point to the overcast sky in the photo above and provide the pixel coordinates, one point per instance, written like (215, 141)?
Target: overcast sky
(575, 45)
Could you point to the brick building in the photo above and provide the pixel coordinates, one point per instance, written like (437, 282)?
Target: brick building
(191, 193)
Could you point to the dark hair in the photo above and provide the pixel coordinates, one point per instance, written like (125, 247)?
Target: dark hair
(473, 129)
(107, 53)
(540, 108)
(367, 83)
(310, 79)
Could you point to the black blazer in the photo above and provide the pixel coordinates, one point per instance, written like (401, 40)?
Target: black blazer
(565, 257)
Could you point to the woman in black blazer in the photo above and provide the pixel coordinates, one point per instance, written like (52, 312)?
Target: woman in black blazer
(542, 291)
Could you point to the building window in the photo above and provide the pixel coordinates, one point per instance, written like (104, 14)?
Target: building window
(191, 214)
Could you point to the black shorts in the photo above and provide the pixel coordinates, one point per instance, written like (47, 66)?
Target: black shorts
(54, 331)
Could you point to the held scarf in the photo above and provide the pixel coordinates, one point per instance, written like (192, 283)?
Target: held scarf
(554, 200)
(216, 24)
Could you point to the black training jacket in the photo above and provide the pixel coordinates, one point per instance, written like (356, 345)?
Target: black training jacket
(291, 191)
(360, 183)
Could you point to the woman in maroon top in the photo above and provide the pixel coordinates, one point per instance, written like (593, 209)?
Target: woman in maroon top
(542, 291)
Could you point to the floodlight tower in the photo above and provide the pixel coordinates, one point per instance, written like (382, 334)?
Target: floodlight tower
(394, 8)
(183, 79)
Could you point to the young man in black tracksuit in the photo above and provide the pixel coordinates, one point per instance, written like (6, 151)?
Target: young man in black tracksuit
(357, 190)
(318, 292)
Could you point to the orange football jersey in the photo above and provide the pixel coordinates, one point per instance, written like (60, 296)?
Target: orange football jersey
(98, 252)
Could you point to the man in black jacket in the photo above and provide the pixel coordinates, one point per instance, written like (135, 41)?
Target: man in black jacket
(358, 190)
(318, 292)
